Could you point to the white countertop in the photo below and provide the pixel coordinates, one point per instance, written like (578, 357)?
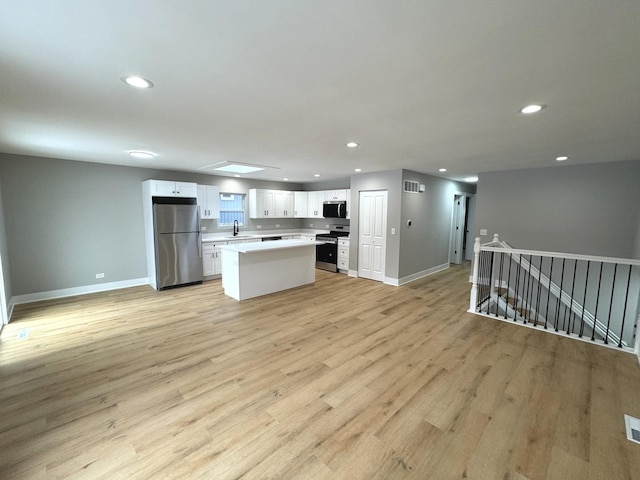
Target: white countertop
(266, 246)
(248, 235)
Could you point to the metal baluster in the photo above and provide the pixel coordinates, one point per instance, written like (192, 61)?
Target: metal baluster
(532, 285)
(573, 287)
(546, 315)
(584, 300)
(624, 312)
(516, 295)
(500, 281)
(595, 313)
(491, 282)
(508, 286)
(525, 291)
(560, 296)
(613, 289)
(539, 290)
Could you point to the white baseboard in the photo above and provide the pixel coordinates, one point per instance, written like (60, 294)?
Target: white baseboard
(415, 276)
(353, 273)
(71, 292)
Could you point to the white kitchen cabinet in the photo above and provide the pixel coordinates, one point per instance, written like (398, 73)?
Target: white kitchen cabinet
(262, 203)
(301, 204)
(330, 195)
(211, 258)
(284, 204)
(164, 188)
(343, 254)
(209, 201)
(314, 204)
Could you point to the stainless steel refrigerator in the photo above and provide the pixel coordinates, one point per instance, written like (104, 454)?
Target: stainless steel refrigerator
(178, 247)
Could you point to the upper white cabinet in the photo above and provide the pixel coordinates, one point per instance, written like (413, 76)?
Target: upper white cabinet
(335, 195)
(314, 204)
(209, 201)
(164, 188)
(301, 202)
(284, 204)
(262, 203)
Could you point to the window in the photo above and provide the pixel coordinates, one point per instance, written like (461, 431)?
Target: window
(231, 208)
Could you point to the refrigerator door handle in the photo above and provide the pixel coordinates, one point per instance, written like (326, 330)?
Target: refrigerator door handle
(199, 234)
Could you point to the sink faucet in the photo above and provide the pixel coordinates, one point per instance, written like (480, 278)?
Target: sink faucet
(236, 228)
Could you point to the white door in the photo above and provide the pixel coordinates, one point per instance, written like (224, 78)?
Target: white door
(372, 234)
(457, 228)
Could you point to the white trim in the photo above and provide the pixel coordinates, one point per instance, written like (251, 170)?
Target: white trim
(71, 292)
(415, 276)
(353, 273)
(572, 336)
(569, 256)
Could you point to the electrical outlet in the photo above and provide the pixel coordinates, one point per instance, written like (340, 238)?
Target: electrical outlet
(99, 275)
(483, 231)
(204, 229)
(326, 226)
(311, 224)
(258, 227)
(393, 231)
(277, 225)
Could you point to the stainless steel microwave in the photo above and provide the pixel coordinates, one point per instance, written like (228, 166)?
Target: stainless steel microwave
(334, 209)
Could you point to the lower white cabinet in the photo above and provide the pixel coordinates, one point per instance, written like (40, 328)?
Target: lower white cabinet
(211, 258)
(343, 254)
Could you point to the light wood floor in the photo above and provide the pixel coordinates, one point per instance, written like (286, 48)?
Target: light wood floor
(344, 379)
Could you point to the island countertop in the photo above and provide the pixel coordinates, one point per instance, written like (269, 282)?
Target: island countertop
(266, 246)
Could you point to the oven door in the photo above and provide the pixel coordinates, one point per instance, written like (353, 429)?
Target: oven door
(327, 256)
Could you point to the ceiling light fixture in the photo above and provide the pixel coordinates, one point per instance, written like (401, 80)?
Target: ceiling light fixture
(471, 179)
(534, 108)
(352, 144)
(316, 175)
(562, 158)
(237, 176)
(285, 179)
(358, 170)
(141, 154)
(442, 169)
(136, 81)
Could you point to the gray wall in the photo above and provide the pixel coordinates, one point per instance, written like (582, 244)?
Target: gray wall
(392, 182)
(586, 209)
(66, 220)
(426, 243)
(4, 258)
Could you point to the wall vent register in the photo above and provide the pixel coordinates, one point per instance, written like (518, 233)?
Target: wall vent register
(411, 187)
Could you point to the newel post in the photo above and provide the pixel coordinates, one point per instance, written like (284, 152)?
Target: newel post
(496, 238)
(473, 301)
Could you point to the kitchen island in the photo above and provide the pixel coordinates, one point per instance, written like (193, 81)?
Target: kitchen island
(254, 269)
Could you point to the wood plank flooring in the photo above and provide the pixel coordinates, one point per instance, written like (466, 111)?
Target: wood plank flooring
(343, 379)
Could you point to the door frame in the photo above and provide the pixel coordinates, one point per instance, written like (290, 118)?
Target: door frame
(460, 234)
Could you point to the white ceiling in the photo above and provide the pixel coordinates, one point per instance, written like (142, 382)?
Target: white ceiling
(419, 84)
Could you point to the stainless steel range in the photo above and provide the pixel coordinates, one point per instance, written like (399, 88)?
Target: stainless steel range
(327, 253)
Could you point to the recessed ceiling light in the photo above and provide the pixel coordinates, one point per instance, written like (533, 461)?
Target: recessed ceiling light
(237, 176)
(285, 179)
(352, 144)
(138, 82)
(562, 158)
(442, 169)
(532, 109)
(316, 175)
(141, 154)
(471, 179)
(358, 169)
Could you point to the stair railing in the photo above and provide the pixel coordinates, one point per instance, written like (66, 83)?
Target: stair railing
(588, 297)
